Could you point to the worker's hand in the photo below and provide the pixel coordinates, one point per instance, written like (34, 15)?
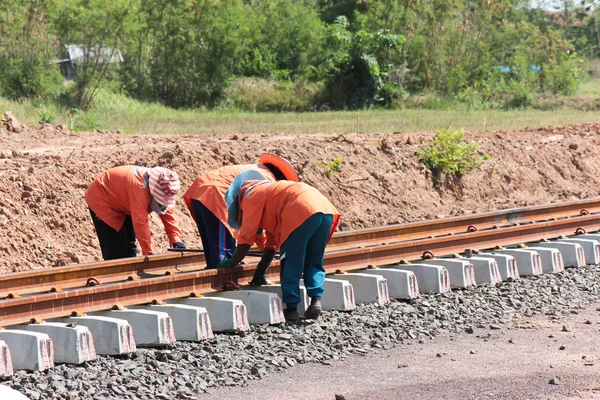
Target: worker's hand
(225, 264)
(179, 245)
(259, 281)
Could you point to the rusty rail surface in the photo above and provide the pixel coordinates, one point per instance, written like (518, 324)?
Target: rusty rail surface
(80, 275)
(465, 223)
(140, 291)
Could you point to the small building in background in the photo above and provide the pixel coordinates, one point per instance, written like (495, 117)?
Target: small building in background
(75, 55)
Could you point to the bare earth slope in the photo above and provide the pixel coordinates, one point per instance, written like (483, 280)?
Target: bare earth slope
(44, 173)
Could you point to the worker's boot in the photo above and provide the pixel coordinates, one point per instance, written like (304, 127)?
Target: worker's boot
(314, 310)
(291, 314)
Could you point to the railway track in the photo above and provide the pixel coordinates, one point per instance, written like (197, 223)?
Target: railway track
(58, 292)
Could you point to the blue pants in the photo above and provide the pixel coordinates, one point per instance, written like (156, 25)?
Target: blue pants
(302, 254)
(217, 242)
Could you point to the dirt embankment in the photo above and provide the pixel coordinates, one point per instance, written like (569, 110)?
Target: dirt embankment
(44, 173)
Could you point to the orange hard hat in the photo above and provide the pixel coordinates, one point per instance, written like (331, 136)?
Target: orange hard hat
(279, 164)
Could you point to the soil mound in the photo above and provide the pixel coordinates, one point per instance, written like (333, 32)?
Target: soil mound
(44, 173)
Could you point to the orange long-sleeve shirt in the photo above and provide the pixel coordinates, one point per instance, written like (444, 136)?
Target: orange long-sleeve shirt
(119, 192)
(279, 208)
(210, 187)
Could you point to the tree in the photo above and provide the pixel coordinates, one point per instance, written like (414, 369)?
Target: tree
(100, 27)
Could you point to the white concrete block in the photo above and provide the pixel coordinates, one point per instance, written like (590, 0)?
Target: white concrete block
(431, 278)
(7, 393)
(72, 344)
(189, 322)
(588, 236)
(263, 307)
(507, 265)
(367, 288)
(226, 315)
(112, 336)
(276, 288)
(591, 248)
(150, 328)
(337, 295)
(572, 253)
(6, 367)
(461, 272)
(32, 351)
(401, 284)
(486, 270)
(528, 261)
(552, 261)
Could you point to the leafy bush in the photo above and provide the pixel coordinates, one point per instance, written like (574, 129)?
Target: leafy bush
(333, 167)
(256, 94)
(361, 68)
(46, 117)
(449, 154)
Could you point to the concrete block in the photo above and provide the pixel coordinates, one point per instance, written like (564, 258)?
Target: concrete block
(461, 272)
(6, 367)
(226, 315)
(7, 393)
(401, 284)
(338, 295)
(189, 322)
(72, 344)
(150, 328)
(431, 278)
(572, 253)
(486, 270)
(552, 261)
(263, 307)
(32, 351)
(507, 265)
(112, 336)
(276, 288)
(528, 261)
(367, 288)
(591, 248)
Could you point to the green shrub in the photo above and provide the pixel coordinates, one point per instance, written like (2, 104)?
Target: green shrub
(258, 94)
(450, 154)
(333, 167)
(46, 117)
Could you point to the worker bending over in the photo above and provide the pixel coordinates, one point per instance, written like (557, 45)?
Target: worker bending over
(120, 200)
(206, 202)
(297, 219)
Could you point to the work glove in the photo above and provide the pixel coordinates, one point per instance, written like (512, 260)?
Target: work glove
(259, 281)
(226, 263)
(261, 269)
(179, 245)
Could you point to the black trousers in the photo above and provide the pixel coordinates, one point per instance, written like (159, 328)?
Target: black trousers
(115, 244)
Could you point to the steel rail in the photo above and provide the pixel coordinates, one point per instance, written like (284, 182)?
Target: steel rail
(478, 221)
(50, 305)
(73, 276)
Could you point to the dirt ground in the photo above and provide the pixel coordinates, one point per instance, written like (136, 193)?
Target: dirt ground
(44, 173)
(515, 362)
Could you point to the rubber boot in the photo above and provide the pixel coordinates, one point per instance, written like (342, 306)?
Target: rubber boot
(314, 310)
(291, 314)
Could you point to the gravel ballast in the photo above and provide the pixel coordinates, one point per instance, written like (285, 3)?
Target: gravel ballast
(188, 369)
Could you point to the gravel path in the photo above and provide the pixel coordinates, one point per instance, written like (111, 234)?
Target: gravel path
(189, 369)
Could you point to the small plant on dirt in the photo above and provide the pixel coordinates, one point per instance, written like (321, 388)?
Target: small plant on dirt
(46, 117)
(73, 112)
(333, 167)
(451, 155)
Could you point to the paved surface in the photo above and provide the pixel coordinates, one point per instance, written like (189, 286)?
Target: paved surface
(514, 362)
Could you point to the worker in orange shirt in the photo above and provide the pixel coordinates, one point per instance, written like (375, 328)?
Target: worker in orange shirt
(297, 219)
(120, 200)
(206, 201)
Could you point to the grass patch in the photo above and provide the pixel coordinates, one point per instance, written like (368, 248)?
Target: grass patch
(118, 112)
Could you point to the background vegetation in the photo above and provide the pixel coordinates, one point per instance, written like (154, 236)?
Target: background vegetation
(298, 55)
